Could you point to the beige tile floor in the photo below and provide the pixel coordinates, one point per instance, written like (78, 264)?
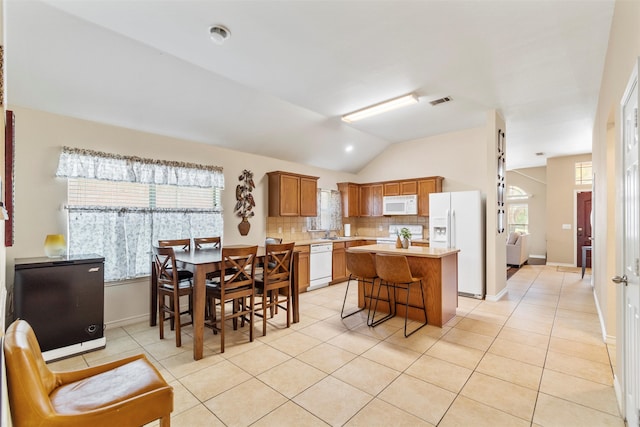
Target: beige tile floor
(535, 358)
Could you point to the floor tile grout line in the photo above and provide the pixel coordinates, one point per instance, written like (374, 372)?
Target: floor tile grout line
(475, 369)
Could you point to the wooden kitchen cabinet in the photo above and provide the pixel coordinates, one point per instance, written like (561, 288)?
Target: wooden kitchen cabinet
(308, 196)
(371, 200)
(427, 186)
(292, 194)
(367, 199)
(303, 267)
(339, 261)
(350, 194)
(400, 188)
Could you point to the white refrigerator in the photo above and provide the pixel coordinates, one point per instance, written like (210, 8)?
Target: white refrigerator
(456, 220)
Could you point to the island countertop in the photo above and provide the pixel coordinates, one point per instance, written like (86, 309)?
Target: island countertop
(413, 251)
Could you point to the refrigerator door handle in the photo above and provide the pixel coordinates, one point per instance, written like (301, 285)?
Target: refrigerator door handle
(448, 228)
(453, 229)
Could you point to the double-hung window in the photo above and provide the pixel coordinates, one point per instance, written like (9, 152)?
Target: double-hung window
(517, 209)
(119, 206)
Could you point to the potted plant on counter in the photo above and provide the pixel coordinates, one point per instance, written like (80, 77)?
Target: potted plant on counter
(405, 235)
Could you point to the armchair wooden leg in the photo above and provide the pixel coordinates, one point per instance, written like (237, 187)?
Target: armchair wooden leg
(165, 421)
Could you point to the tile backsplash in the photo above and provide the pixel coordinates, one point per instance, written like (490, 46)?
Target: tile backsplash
(296, 228)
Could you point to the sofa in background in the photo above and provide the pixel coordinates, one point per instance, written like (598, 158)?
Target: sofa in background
(517, 248)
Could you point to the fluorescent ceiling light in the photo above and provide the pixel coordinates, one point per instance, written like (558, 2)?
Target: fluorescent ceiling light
(382, 107)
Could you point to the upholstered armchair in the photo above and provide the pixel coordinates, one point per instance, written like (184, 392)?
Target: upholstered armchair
(127, 392)
(517, 248)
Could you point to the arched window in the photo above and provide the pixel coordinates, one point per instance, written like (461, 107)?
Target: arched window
(517, 209)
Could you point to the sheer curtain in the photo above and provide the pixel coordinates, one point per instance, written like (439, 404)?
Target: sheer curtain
(329, 211)
(124, 235)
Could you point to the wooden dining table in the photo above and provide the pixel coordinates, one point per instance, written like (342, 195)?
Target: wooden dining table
(201, 262)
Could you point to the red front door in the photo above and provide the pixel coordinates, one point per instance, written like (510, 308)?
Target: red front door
(583, 227)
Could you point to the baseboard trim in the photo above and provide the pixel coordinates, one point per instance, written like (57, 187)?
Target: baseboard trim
(127, 321)
(498, 297)
(538, 256)
(603, 328)
(560, 264)
(617, 387)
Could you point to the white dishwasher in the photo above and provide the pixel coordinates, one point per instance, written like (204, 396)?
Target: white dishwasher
(320, 265)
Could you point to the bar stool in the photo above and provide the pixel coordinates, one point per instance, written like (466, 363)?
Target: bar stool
(395, 271)
(362, 267)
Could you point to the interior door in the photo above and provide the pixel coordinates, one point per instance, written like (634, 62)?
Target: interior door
(630, 244)
(583, 227)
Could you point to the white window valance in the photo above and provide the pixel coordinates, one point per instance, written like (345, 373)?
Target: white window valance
(81, 163)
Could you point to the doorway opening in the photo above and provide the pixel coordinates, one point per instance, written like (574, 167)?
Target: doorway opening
(583, 229)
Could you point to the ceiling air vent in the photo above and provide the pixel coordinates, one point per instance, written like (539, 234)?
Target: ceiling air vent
(440, 101)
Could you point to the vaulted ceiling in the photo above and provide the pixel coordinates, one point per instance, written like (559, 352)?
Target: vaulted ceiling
(279, 85)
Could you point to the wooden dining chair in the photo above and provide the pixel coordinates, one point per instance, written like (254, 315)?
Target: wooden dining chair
(274, 285)
(395, 272)
(236, 286)
(171, 287)
(267, 241)
(210, 242)
(178, 244)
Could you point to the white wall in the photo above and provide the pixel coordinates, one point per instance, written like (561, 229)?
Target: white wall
(622, 55)
(561, 203)
(457, 156)
(496, 247)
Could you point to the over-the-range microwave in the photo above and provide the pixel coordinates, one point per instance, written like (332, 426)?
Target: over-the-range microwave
(400, 205)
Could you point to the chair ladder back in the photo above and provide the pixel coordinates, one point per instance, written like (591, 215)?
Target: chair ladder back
(198, 242)
(185, 244)
(279, 262)
(165, 265)
(239, 264)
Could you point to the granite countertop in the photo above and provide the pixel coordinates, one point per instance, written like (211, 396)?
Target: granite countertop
(333, 240)
(347, 239)
(417, 251)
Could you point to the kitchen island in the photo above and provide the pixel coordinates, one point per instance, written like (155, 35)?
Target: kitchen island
(439, 269)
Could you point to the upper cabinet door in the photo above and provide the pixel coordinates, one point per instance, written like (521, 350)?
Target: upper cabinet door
(391, 189)
(292, 194)
(426, 187)
(400, 188)
(408, 187)
(308, 196)
(350, 193)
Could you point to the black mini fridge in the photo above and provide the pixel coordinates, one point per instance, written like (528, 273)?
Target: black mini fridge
(63, 301)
